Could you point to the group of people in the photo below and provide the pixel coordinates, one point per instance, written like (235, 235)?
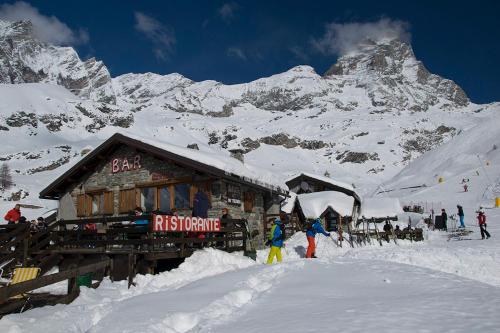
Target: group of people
(14, 216)
(277, 236)
(481, 220)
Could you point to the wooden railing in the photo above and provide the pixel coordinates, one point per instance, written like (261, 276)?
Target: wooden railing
(14, 242)
(118, 234)
(9, 304)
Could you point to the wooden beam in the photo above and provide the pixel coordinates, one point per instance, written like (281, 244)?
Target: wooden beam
(22, 287)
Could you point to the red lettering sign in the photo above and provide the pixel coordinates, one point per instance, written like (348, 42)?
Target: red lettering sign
(185, 223)
(123, 164)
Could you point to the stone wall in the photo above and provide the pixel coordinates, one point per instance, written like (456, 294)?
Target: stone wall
(154, 169)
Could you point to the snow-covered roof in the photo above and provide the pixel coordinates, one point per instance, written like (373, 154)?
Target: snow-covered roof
(323, 179)
(230, 165)
(209, 162)
(380, 207)
(314, 204)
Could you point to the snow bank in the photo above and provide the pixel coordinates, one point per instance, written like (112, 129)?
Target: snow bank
(315, 204)
(201, 264)
(380, 207)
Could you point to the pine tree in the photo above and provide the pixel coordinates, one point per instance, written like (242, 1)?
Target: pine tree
(5, 177)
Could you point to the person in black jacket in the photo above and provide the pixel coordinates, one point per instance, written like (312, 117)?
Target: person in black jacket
(444, 218)
(461, 216)
(387, 230)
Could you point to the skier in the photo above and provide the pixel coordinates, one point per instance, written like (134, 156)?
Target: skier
(276, 241)
(481, 218)
(444, 218)
(387, 230)
(466, 188)
(13, 215)
(311, 232)
(461, 216)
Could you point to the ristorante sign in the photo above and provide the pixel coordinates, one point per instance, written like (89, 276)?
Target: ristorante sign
(185, 223)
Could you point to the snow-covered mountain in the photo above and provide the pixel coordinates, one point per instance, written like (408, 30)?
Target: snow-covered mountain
(365, 120)
(24, 59)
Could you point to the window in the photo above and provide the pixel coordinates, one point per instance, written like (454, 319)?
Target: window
(95, 204)
(148, 198)
(249, 201)
(181, 196)
(233, 194)
(165, 197)
(215, 189)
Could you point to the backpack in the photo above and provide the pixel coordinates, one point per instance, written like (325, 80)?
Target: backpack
(283, 233)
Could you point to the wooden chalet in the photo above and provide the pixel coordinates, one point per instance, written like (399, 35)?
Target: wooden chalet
(331, 193)
(126, 172)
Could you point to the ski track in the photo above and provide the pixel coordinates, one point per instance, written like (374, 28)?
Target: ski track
(226, 307)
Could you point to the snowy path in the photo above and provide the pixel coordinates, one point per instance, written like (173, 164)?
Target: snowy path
(201, 303)
(361, 295)
(431, 286)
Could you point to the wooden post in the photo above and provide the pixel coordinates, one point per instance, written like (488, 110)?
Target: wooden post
(340, 230)
(131, 272)
(25, 248)
(111, 267)
(376, 232)
(72, 282)
(183, 245)
(350, 234)
(366, 233)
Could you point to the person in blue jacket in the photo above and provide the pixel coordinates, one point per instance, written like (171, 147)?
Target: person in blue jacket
(276, 240)
(139, 212)
(311, 232)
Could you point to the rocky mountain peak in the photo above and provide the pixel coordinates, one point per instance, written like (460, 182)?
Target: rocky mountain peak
(26, 59)
(385, 57)
(389, 65)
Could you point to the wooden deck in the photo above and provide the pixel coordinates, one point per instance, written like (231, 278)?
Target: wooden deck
(117, 248)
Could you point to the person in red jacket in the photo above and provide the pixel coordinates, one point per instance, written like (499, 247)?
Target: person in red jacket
(481, 219)
(13, 215)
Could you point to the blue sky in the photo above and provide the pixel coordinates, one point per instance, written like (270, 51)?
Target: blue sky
(238, 41)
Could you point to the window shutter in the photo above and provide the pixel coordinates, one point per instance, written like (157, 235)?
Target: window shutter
(127, 200)
(193, 191)
(80, 205)
(88, 205)
(109, 203)
(249, 198)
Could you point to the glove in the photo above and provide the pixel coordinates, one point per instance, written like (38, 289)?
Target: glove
(327, 234)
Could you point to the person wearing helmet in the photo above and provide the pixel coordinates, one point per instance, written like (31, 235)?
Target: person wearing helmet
(276, 240)
(311, 232)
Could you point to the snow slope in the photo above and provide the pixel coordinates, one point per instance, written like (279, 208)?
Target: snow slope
(432, 286)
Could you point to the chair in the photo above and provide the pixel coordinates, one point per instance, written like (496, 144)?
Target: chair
(22, 274)
(3, 265)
